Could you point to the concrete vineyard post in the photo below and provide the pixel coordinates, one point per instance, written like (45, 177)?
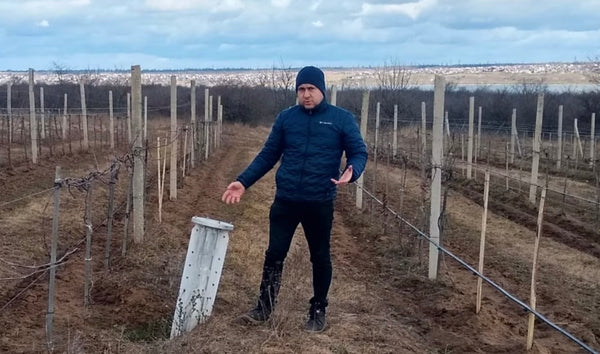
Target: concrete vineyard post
(138, 154)
(364, 116)
(201, 274)
(436, 174)
(334, 95)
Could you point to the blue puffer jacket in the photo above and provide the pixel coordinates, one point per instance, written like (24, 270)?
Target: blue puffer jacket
(310, 144)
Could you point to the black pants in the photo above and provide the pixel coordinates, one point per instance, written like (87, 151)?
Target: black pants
(316, 219)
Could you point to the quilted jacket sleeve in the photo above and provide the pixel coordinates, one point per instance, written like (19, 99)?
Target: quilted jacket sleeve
(355, 148)
(266, 158)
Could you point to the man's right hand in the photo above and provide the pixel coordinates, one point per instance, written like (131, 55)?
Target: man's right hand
(234, 193)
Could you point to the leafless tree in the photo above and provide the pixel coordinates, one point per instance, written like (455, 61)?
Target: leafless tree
(593, 70)
(392, 76)
(282, 83)
(530, 86)
(59, 70)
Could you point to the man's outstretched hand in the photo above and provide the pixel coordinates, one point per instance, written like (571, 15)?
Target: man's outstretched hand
(345, 178)
(234, 193)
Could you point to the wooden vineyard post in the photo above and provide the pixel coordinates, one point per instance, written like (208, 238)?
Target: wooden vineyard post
(470, 137)
(32, 121)
(42, 115)
(506, 170)
(69, 132)
(86, 141)
(592, 140)
(111, 121)
(578, 139)
(436, 173)
(129, 118)
(145, 139)
(185, 139)
(559, 147)
(219, 123)
(173, 141)
(536, 149)
(10, 122)
(162, 179)
(462, 153)
(486, 192)
(160, 184)
(532, 300)
(364, 116)
(52, 275)
(64, 119)
(375, 150)
(206, 119)
(210, 125)
(127, 210)
(513, 135)
(114, 171)
(447, 139)
(94, 119)
(478, 140)
(395, 137)
(88, 244)
(215, 124)
(194, 123)
(423, 134)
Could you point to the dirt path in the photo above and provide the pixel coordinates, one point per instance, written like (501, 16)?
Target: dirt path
(380, 301)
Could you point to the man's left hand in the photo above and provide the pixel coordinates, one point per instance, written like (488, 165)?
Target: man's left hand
(345, 178)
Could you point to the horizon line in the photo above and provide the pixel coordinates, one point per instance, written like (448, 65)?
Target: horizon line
(417, 66)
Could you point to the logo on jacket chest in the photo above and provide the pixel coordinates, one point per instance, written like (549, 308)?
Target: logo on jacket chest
(324, 122)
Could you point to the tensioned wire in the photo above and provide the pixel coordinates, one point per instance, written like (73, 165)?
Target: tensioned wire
(483, 277)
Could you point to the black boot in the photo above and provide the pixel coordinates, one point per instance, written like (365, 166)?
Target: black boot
(316, 318)
(269, 288)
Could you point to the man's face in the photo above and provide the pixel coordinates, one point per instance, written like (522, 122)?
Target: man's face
(309, 96)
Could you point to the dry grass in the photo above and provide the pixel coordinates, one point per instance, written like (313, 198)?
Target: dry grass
(380, 301)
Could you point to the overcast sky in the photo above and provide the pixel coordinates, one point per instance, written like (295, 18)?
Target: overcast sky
(177, 34)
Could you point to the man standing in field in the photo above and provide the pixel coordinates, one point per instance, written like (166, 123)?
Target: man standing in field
(309, 138)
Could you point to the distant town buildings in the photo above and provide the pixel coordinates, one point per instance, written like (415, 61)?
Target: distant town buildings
(344, 77)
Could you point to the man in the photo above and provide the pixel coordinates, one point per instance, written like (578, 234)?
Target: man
(309, 138)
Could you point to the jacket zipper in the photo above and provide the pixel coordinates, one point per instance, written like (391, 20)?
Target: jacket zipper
(305, 148)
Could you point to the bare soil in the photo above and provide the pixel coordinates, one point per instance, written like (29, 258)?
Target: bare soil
(381, 300)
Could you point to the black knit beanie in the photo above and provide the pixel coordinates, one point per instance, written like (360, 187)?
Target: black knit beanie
(311, 75)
